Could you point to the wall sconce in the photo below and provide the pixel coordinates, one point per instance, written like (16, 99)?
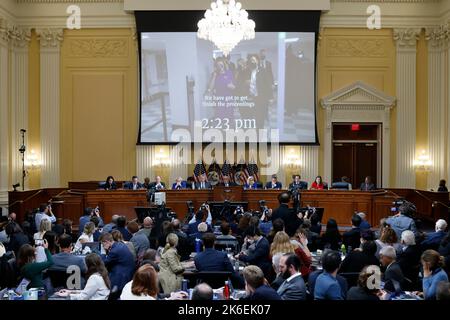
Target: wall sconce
(32, 161)
(292, 159)
(161, 159)
(423, 162)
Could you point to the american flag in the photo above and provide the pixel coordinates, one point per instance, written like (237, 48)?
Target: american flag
(227, 170)
(199, 170)
(242, 169)
(253, 170)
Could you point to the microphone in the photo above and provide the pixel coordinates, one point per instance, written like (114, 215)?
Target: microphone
(23, 130)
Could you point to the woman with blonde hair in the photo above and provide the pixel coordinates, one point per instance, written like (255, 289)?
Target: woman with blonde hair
(46, 225)
(171, 271)
(86, 236)
(281, 244)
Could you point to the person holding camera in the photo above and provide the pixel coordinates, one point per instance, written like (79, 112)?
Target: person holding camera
(45, 212)
(403, 220)
(86, 217)
(199, 217)
(29, 268)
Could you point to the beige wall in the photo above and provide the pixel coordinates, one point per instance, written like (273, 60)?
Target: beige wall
(99, 108)
(347, 55)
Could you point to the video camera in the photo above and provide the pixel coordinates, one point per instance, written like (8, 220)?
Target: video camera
(263, 208)
(404, 207)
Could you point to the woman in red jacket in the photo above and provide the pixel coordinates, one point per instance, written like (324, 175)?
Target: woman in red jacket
(318, 184)
(301, 243)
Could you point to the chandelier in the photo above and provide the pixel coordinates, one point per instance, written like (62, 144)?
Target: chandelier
(226, 24)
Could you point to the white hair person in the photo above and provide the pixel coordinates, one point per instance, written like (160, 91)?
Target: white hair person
(441, 225)
(408, 238)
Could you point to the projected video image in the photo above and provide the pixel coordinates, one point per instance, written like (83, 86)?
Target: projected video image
(265, 83)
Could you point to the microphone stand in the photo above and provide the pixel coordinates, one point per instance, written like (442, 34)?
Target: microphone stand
(22, 150)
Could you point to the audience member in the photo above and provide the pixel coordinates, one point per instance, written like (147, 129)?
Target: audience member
(331, 239)
(388, 238)
(171, 270)
(98, 284)
(86, 236)
(443, 291)
(118, 260)
(352, 238)
(260, 255)
(86, 217)
(17, 238)
(403, 219)
(29, 268)
(433, 239)
(225, 230)
(293, 287)
(139, 240)
(108, 228)
(409, 256)
(281, 245)
(393, 276)
(255, 285)
(144, 285)
(211, 259)
(65, 259)
(151, 257)
(45, 226)
(45, 212)
(202, 292)
(432, 264)
(118, 237)
(121, 223)
(364, 225)
(277, 226)
(326, 286)
(302, 251)
(362, 290)
(356, 260)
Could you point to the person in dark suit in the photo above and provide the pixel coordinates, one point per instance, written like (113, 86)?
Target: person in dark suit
(291, 221)
(433, 239)
(331, 238)
(409, 256)
(260, 255)
(367, 185)
(361, 290)
(202, 184)
(121, 226)
(293, 287)
(109, 184)
(274, 184)
(157, 184)
(179, 184)
(442, 186)
(211, 259)
(296, 184)
(227, 182)
(134, 184)
(356, 260)
(256, 287)
(393, 275)
(352, 238)
(119, 260)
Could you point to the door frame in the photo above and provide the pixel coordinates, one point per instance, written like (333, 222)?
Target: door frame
(379, 143)
(359, 103)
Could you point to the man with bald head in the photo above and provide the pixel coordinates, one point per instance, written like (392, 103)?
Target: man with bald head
(157, 184)
(147, 226)
(108, 228)
(203, 292)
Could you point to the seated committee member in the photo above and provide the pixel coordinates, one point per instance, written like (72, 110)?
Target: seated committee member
(109, 184)
(255, 286)
(227, 182)
(318, 184)
(179, 184)
(326, 285)
(293, 287)
(297, 184)
(251, 184)
(442, 187)
(367, 185)
(274, 184)
(157, 184)
(134, 184)
(202, 184)
(98, 284)
(119, 260)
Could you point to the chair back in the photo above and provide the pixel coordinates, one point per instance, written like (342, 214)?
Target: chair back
(58, 278)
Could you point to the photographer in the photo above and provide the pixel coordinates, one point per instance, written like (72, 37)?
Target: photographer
(291, 220)
(265, 224)
(86, 217)
(45, 212)
(199, 217)
(403, 220)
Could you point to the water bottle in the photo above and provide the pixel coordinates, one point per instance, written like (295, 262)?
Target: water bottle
(343, 250)
(226, 291)
(184, 285)
(197, 245)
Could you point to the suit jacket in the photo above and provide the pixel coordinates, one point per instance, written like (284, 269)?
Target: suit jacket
(182, 184)
(129, 185)
(367, 187)
(264, 293)
(260, 256)
(278, 185)
(171, 271)
(352, 238)
(213, 260)
(393, 273)
(409, 261)
(291, 221)
(140, 242)
(230, 184)
(207, 185)
(120, 263)
(303, 185)
(293, 290)
(61, 261)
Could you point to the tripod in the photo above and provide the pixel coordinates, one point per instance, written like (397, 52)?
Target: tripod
(22, 150)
